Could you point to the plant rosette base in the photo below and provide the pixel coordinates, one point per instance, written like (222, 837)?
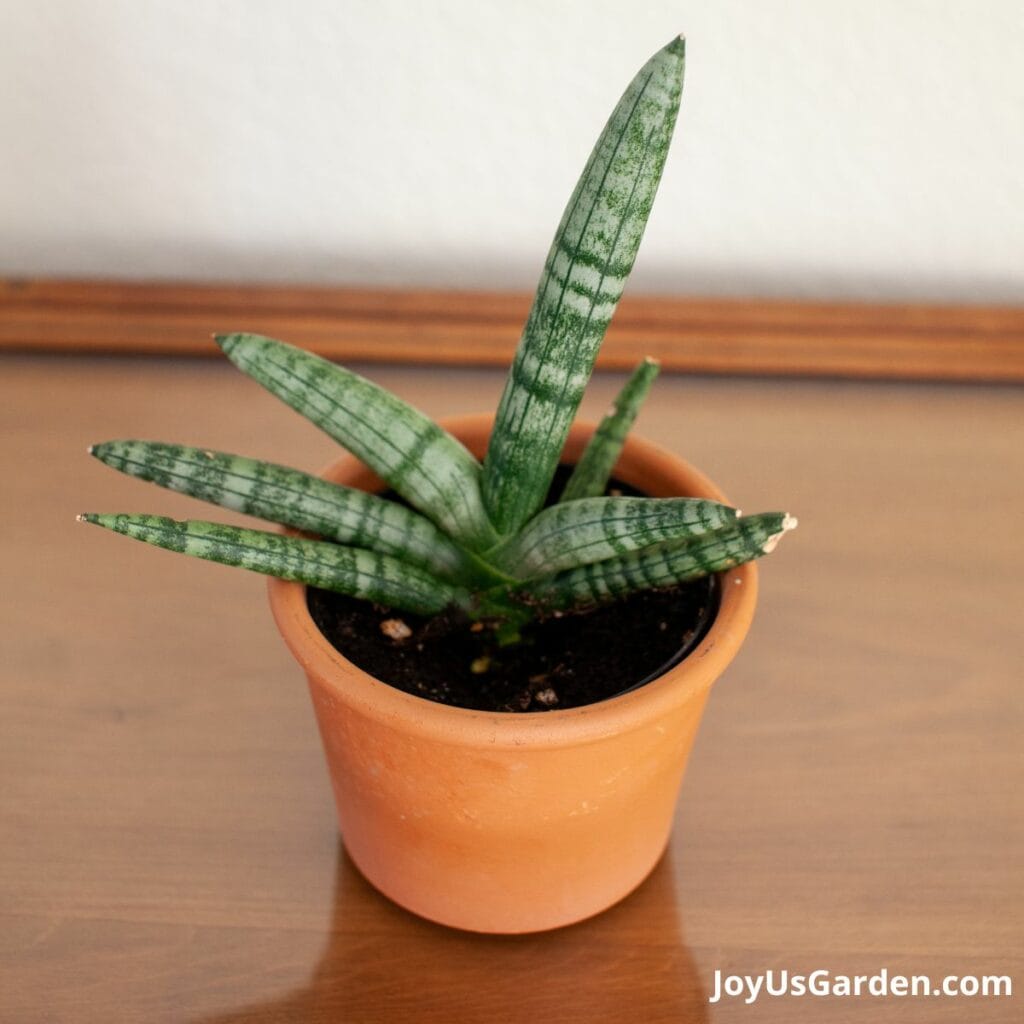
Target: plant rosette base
(503, 822)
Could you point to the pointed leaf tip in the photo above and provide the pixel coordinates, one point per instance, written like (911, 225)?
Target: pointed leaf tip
(102, 450)
(788, 523)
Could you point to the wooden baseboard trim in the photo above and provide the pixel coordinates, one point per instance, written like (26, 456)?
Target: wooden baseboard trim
(725, 336)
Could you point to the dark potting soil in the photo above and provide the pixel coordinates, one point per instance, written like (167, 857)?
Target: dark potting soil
(561, 662)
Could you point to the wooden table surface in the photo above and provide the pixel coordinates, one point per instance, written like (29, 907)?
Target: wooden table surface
(168, 850)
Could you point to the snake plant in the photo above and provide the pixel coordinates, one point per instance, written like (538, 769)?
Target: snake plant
(479, 537)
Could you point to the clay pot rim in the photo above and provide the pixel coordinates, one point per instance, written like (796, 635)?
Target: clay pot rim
(634, 709)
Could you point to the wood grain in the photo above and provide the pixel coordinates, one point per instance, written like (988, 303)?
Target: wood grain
(722, 336)
(855, 801)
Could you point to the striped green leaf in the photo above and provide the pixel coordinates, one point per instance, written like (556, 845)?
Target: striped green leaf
(347, 570)
(426, 465)
(591, 474)
(584, 275)
(287, 496)
(662, 566)
(594, 529)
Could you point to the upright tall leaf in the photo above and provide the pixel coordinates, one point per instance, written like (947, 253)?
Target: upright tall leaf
(423, 463)
(584, 275)
(590, 475)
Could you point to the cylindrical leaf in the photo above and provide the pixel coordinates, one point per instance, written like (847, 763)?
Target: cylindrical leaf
(347, 570)
(287, 496)
(591, 474)
(663, 566)
(585, 273)
(594, 529)
(426, 465)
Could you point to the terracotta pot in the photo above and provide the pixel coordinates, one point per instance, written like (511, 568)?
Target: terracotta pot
(498, 822)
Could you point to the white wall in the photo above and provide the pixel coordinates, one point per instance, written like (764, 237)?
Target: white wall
(862, 148)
